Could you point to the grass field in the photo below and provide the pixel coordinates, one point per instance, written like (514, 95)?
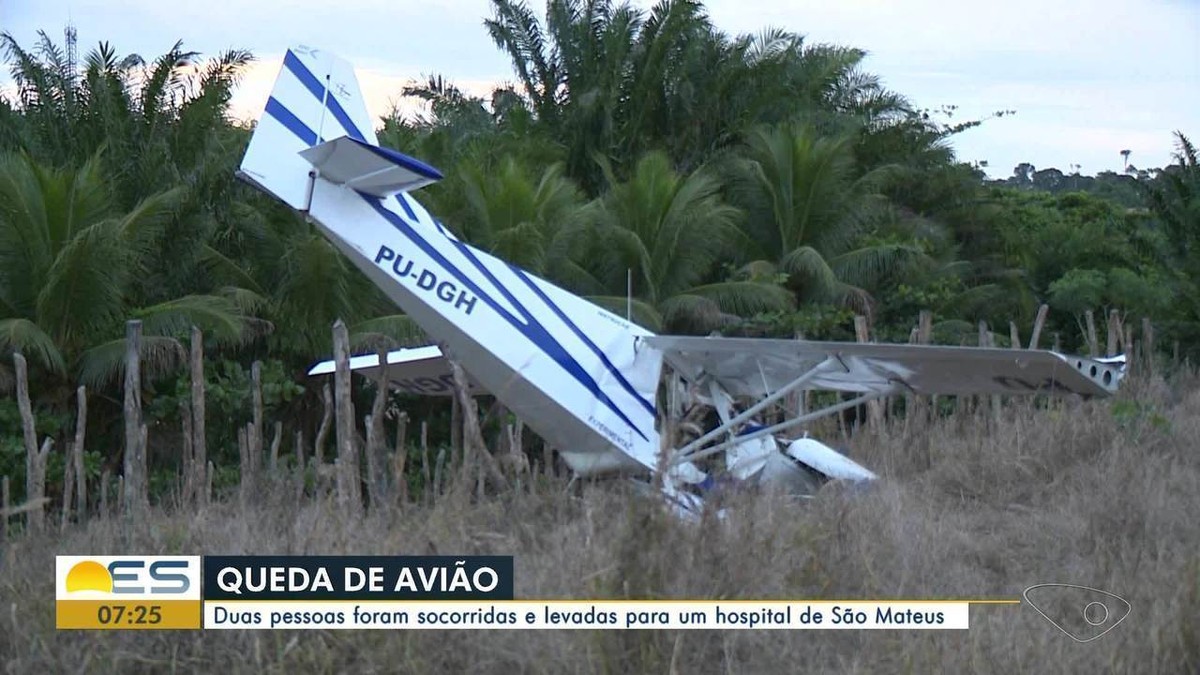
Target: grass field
(1103, 494)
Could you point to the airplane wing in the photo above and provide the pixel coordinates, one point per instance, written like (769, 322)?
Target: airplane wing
(423, 371)
(759, 367)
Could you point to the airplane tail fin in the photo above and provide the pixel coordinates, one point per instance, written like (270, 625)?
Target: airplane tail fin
(575, 371)
(316, 98)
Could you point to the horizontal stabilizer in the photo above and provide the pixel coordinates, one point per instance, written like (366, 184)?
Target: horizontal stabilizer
(421, 370)
(375, 170)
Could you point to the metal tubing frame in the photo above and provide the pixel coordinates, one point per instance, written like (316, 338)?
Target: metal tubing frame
(782, 426)
(819, 369)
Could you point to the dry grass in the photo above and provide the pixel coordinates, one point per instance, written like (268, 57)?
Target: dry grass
(1103, 494)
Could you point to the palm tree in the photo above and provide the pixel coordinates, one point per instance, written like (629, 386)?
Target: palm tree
(277, 266)
(668, 232)
(570, 70)
(812, 215)
(1174, 198)
(528, 222)
(156, 120)
(164, 124)
(160, 125)
(70, 263)
(610, 80)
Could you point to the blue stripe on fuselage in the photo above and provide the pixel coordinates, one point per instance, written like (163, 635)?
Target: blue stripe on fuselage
(407, 209)
(581, 335)
(534, 331)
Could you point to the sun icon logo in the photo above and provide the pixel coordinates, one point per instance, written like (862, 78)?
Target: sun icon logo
(89, 575)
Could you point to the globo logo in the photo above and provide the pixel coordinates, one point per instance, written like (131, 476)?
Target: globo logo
(1082, 613)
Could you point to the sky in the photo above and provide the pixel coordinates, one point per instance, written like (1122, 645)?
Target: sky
(1087, 79)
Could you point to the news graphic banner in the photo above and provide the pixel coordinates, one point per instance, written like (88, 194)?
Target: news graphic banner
(417, 592)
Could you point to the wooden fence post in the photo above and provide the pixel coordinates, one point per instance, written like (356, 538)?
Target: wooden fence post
(276, 441)
(349, 490)
(456, 427)
(105, 479)
(77, 453)
(1014, 336)
(425, 468)
(245, 484)
(188, 453)
(5, 504)
(1114, 330)
(401, 458)
(1148, 345)
(254, 434)
(136, 499)
(300, 470)
(35, 460)
(299, 450)
(1093, 341)
(208, 478)
(923, 405)
(323, 430)
(516, 447)
(199, 438)
(925, 327)
(472, 436)
(376, 475)
(68, 485)
(437, 473)
(1038, 324)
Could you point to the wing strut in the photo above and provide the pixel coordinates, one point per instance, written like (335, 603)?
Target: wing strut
(771, 430)
(821, 368)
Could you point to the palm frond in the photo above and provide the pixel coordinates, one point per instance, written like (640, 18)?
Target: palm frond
(225, 269)
(746, 298)
(244, 300)
(868, 264)
(388, 332)
(83, 290)
(809, 268)
(104, 365)
(685, 313)
(26, 337)
(219, 318)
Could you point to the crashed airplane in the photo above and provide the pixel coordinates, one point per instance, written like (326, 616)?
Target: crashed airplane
(587, 380)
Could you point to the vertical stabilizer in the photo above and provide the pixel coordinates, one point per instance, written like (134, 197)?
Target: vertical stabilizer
(316, 98)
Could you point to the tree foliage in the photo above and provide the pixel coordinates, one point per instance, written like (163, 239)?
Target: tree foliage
(757, 183)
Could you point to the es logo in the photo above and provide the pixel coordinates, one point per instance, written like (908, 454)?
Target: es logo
(130, 576)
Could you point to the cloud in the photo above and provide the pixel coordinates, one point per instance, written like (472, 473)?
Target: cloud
(381, 87)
